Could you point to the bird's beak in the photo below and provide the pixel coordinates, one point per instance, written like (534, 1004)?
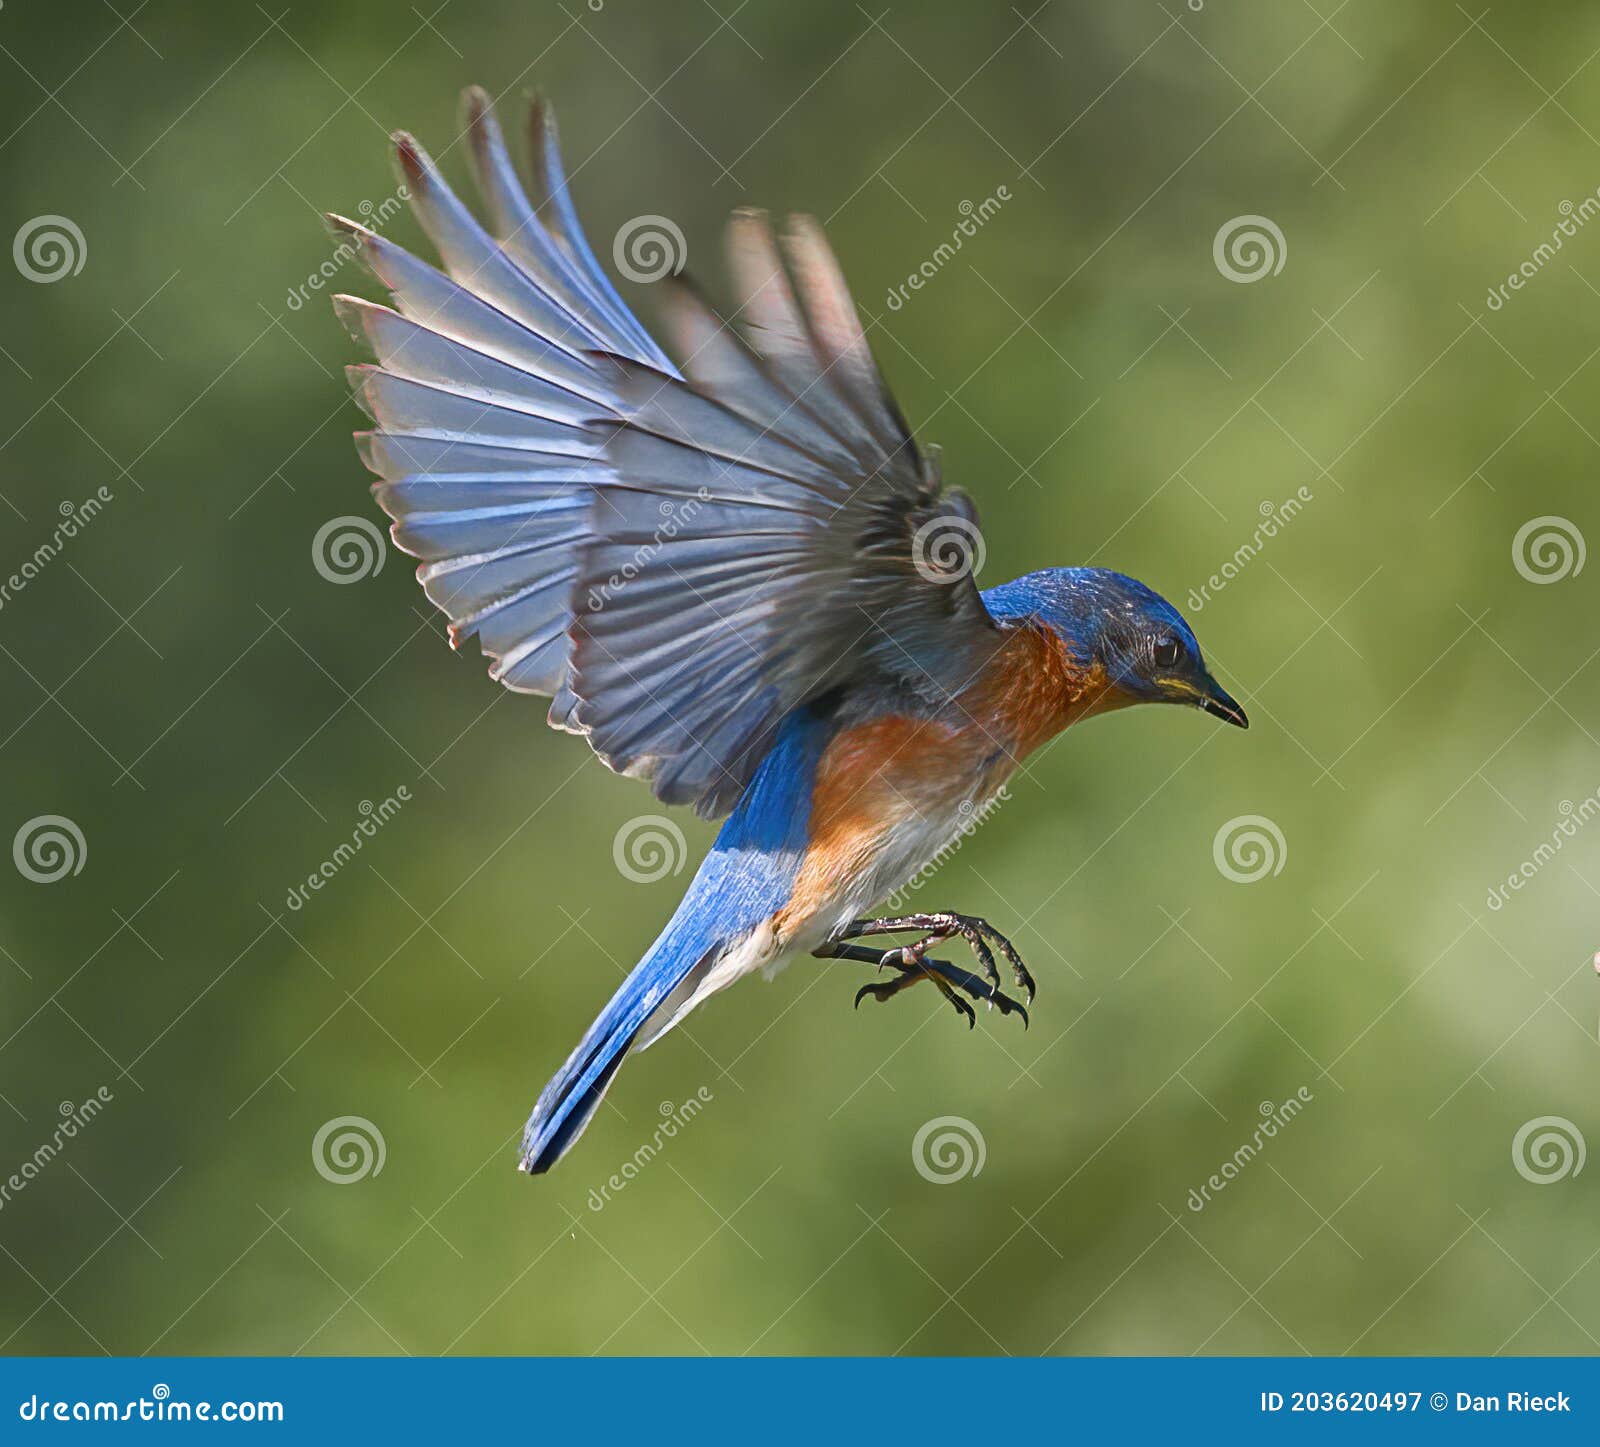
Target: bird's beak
(1217, 702)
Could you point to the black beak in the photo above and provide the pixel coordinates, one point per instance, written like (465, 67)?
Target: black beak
(1216, 701)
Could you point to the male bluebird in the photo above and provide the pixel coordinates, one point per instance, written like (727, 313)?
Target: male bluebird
(739, 577)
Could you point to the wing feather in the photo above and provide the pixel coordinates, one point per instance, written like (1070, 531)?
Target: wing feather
(678, 559)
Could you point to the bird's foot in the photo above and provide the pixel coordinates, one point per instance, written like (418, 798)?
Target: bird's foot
(925, 970)
(942, 925)
(912, 967)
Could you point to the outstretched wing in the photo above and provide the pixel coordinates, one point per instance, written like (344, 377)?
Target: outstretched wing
(678, 559)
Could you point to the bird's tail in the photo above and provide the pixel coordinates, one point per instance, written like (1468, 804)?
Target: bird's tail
(572, 1096)
(748, 875)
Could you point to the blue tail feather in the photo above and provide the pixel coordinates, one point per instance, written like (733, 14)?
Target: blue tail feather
(747, 877)
(572, 1096)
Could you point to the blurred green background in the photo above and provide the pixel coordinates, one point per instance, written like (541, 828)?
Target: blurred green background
(210, 713)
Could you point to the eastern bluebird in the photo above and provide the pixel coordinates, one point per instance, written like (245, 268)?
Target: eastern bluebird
(739, 577)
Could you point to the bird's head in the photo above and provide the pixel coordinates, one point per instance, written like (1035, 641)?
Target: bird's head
(1115, 624)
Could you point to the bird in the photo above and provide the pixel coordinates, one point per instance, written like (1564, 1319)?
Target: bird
(736, 574)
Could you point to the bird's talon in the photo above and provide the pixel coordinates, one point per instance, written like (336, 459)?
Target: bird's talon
(1009, 1006)
(1019, 971)
(912, 963)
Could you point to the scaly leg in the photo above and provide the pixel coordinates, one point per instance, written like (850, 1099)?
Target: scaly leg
(943, 925)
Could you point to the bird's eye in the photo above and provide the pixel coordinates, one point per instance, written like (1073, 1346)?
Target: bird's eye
(1167, 652)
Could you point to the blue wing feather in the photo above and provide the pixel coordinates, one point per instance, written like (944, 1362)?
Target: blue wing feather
(677, 564)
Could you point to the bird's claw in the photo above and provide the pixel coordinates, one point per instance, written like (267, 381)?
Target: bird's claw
(913, 963)
(1008, 1006)
(978, 933)
(888, 989)
(904, 957)
(947, 978)
(1019, 971)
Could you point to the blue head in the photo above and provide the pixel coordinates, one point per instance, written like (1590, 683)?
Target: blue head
(1112, 622)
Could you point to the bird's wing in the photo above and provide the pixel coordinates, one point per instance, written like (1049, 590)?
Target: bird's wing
(679, 559)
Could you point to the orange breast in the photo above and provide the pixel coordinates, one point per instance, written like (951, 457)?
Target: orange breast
(894, 772)
(871, 779)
